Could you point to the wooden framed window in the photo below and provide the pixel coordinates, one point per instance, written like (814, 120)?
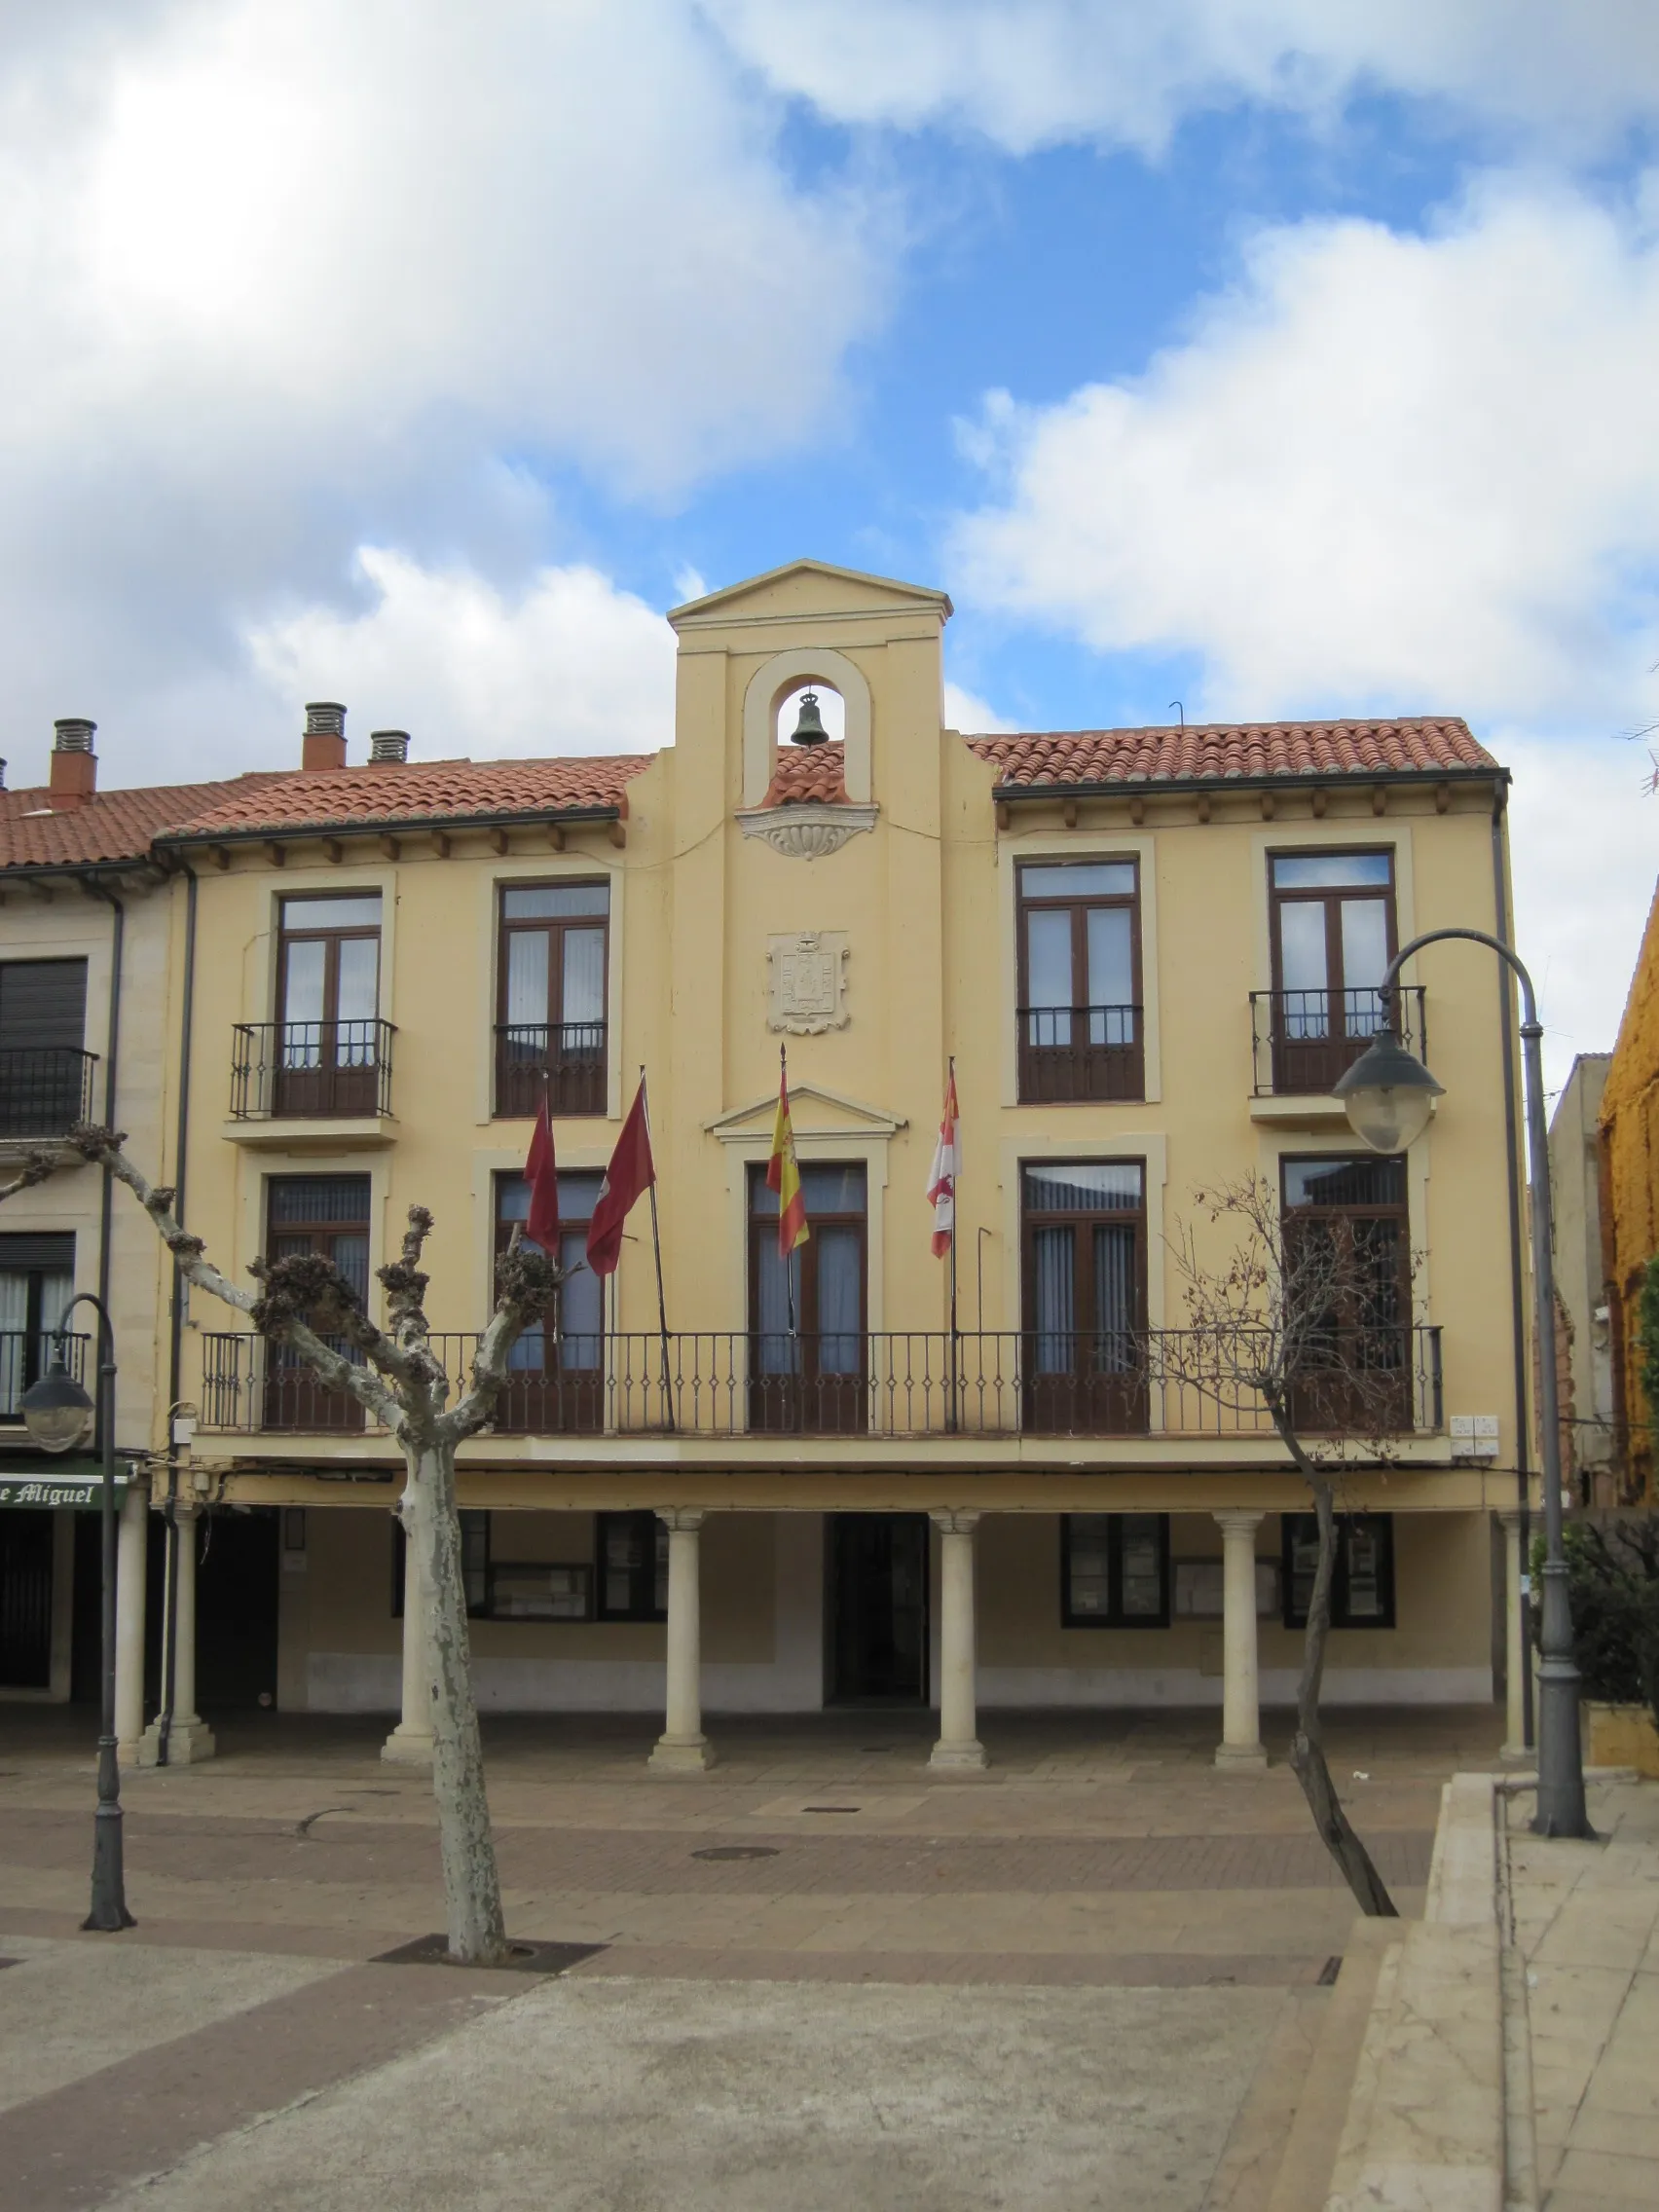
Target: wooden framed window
(633, 1566)
(553, 980)
(328, 1033)
(1114, 1570)
(45, 1070)
(329, 1215)
(1333, 931)
(1084, 1248)
(1080, 981)
(809, 1376)
(1356, 1366)
(1362, 1593)
(557, 1381)
(37, 1282)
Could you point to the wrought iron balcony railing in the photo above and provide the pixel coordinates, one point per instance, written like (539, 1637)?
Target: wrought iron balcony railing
(310, 1070)
(45, 1089)
(1080, 1055)
(1301, 1041)
(1363, 1383)
(565, 1060)
(25, 1354)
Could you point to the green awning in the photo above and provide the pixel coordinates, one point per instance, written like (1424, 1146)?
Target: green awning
(78, 1485)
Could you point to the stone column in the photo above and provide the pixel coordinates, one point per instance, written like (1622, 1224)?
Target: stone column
(1240, 1748)
(1516, 1657)
(130, 1594)
(959, 1749)
(410, 1743)
(189, 1738)
(682, 1748)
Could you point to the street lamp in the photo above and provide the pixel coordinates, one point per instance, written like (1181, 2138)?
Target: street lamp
(1389, 1095)
(55, 1410)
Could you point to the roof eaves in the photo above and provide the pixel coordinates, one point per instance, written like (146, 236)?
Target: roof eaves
(1120, 787)
(381, 826)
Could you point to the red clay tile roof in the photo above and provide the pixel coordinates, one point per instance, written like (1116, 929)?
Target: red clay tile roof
(808, 772)
(110, 826)
(445, 790)
(1202, 752)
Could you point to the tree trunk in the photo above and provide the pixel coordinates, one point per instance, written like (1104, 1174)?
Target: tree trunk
(1307, 1753)
(473, 1884)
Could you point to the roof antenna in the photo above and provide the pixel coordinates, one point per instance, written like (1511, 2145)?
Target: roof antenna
(1180, 710)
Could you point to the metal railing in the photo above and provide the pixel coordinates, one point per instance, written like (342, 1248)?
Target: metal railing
(1301, 1041)
(565, 1060)
(1080, 1055)
(25, 1354)
(1362, 1381)
(45, 1089)
(309, 1070)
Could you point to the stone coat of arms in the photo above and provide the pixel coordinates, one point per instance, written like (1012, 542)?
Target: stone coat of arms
(807, 978)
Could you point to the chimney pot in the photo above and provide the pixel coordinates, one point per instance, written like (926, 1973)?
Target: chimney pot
(325, 745)
(74, 764)
(389, 745)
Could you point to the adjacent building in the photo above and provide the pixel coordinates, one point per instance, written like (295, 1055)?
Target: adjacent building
(1148, 952)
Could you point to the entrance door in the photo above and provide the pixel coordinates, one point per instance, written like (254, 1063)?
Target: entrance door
(237, 1566)
(25, 1598)
(879, 1607)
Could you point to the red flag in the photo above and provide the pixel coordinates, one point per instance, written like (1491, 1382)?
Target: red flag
(630, 1175)
(541, 1171)
(945, 1168)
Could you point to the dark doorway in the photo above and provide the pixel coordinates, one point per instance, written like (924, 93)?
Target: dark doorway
(878, 1585)
(239, 1563)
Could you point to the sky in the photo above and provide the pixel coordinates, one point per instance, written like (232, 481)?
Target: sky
(1281, 357)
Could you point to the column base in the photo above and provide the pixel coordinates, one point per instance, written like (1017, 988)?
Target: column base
(958, 1758)
(407, 1747)
(190, 1741)
(680, 1754)
(1240, 1758)
(1519, 1755)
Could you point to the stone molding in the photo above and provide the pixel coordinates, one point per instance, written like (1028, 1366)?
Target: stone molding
(806, 829)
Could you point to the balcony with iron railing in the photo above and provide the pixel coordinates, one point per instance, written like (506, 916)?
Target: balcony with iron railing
(1302, 1041)
(562, 1061)
(310, 1070)
(1367, 1382)
(1080, 1055)
(45, 1089)
(25, 1354)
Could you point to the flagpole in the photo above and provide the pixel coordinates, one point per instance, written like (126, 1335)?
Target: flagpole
(955, 1235)
(788, 1257)
(657, 1247)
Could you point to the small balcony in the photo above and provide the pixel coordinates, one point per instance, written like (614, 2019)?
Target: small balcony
(1303, 1041)
(310, 1071)
(1153, 1382)
(564, 1061)
(45, 1090)
(1074, 1055)
(25, 1354)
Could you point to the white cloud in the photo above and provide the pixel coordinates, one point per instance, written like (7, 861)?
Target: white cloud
(568, 664)
(1029, 73)
(1386, 471)
(276, 279)
(967, 712)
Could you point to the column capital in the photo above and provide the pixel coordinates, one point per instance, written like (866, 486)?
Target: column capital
(1238, 1522)
(954, 1523)
(680, 1520)
(1509, 1517)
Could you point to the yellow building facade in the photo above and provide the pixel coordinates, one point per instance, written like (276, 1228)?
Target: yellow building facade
(1149, 954)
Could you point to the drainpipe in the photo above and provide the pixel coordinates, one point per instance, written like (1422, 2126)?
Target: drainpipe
(112, 1051)
(175, 1348)
(1517, 1289)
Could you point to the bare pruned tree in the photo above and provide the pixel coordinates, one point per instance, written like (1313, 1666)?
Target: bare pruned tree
(306, 1305)
(1312, 1319)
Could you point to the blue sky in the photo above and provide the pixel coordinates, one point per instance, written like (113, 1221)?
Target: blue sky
(1281, 356)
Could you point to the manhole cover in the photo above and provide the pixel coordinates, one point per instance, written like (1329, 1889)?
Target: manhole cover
(724, 1851)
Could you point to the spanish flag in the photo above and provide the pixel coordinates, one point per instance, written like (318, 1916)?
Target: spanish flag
(783, 1174)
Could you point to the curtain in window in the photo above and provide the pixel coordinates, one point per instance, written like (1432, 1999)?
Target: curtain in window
(1111, 977)
(840, 1349)
(1365, 963)
(1114, 1298)
(305, 964)
(583, 983)
(358, 1001)
(777, 1351)
(581, 1305)
(13, 1323)
(1048, 975)
(526, 988)
(1056, 1299)
(1302, 967)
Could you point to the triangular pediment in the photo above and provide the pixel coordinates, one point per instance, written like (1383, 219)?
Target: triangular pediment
(805, 588)
(814, 1112)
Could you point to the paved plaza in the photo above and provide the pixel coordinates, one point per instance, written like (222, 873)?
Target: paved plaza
(1101, 1975)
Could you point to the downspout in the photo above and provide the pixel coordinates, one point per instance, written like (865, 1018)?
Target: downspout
(112, 1053)
(175, 1348)
(1517, 1287)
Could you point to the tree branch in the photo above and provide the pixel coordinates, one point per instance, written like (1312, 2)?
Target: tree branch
(526, 1289)
(37, 1167)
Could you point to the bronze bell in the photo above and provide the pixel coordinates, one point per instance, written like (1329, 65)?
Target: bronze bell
(809, 730)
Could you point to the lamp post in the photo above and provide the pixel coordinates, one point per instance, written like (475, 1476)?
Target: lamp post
(1389, 1095)
(54, 1409)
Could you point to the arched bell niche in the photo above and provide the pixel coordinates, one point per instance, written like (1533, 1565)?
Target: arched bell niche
(777, 687)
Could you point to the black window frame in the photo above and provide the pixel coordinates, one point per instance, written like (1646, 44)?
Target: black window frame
(1293, 1525)
(1115, 1617)
(651, 1571)
(27, 1255)
(1078, 1072)
(480, 1568)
